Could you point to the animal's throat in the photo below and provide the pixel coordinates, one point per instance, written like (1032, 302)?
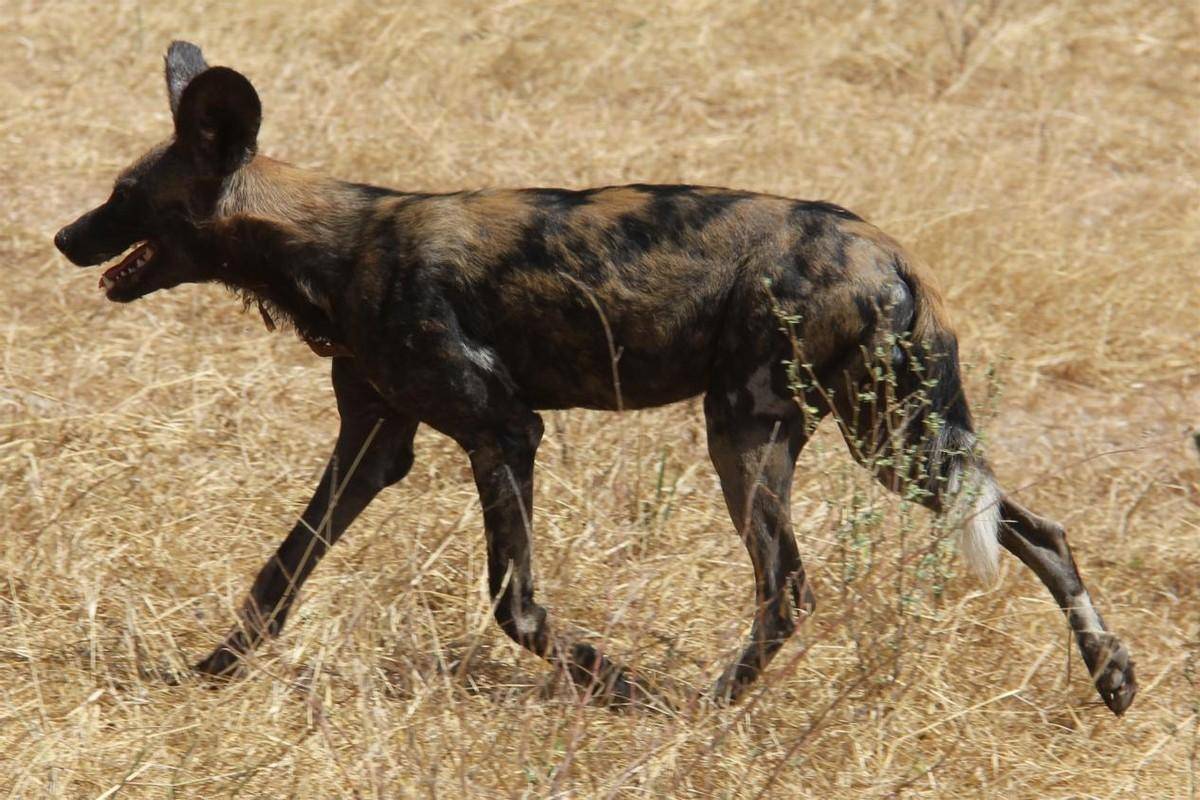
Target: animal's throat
(320, 337)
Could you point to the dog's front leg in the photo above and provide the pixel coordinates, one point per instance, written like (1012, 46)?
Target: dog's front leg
(502, 456)
(373, 451)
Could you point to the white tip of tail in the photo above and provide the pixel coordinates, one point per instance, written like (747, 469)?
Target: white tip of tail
(979, 509)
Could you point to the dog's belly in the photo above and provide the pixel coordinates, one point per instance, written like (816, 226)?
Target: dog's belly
(617, 365)
(591, 370)
(644, 386)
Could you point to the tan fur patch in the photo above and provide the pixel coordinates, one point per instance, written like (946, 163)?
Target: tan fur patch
(308, 205)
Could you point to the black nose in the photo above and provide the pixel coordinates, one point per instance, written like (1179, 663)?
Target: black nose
(61, 240)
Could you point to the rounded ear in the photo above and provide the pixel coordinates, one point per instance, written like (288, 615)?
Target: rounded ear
(217, 120)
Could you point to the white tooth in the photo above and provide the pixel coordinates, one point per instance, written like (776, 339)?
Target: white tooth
(108, 282)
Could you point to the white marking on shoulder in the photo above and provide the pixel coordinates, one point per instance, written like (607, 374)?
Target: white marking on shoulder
(486, 359)
(764, 399)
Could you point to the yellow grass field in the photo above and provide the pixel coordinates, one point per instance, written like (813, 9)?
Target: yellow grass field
(1044, 158)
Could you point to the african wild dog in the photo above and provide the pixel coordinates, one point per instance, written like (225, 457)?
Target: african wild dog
(471, 311)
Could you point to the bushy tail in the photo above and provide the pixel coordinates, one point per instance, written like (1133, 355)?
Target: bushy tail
(960, 481)
(971, 494)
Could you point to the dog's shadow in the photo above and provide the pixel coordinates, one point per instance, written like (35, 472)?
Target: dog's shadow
(482, 669)
(474, 666)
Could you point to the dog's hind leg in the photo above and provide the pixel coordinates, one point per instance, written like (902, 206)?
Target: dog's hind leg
(373, 451)
(755, 433)
(887, 404)
(1042, 545)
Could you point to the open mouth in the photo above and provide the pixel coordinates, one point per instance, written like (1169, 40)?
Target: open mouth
(129, 272)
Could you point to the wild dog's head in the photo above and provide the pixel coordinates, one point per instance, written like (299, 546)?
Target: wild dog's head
(161, 204)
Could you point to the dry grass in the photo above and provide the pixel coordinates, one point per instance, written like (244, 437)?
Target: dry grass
(1043, 157)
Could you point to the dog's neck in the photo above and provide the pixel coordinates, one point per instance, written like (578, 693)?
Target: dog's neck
(315, 205)
(285, 234)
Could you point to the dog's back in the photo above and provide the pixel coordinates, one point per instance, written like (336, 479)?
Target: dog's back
(639, 289)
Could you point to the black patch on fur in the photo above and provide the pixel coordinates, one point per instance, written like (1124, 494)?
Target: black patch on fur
(559, 201)
(824, 207)
(634, 235)
(532, 251)
(386, 243)
(372, 192)
(672, 218)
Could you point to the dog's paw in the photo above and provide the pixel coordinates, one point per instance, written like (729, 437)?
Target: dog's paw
(613, 686)
(1116, 682)
(223, 664)
(1112, 671)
